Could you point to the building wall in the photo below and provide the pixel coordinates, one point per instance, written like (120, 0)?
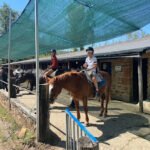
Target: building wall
(122, 79)
(148, 76)
(121, 88)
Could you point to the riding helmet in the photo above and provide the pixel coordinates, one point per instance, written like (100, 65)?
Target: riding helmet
(53, 50)
(90, 49)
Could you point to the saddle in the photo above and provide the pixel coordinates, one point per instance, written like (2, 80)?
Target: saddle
(56, 73)
(101, 81)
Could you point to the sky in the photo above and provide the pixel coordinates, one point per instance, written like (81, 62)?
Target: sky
(19, 5)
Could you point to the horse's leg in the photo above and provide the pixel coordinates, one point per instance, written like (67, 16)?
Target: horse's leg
(106, 106)
(102, 105)
(77, 108)
(31, 85)
(28, 84)
(86, 110)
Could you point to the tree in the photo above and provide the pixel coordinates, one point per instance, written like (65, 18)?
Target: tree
(75, 49)
(136, 35)
(81, 48)
(132, 36)
(80, 31)
(4, 17)
(143, 34)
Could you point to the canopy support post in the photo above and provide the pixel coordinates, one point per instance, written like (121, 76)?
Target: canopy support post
(140, 84)
(9, 49)
(37, 72)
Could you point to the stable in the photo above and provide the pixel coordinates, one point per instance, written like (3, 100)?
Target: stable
(120, 60)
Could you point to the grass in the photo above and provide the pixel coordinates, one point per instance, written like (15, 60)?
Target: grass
(4, 115)
(14, 128)
(29, 138)
(2, 137)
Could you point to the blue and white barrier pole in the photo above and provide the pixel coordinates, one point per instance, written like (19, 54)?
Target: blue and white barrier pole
(75, 130)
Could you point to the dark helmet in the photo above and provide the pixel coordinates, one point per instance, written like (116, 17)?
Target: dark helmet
(90, 49)
(53, 50)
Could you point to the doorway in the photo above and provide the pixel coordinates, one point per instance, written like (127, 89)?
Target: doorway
(135, 79)
(106, 66)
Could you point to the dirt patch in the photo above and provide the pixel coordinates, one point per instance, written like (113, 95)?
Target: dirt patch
(9, 135)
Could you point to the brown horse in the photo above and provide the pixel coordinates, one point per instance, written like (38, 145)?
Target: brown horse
(80, 89)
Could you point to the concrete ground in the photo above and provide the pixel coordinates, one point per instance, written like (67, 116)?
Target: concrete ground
(124, 128)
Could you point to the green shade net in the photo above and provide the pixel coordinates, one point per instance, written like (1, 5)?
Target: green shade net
(74, 23)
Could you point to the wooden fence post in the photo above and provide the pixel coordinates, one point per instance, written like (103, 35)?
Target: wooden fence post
(12, 88)
(84, 143)
(43, 112)
(140, 84)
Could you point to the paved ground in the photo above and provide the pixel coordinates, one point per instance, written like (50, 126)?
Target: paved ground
(125, 128)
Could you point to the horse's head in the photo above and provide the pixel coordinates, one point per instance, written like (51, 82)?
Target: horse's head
(54, 89)
(20, 77)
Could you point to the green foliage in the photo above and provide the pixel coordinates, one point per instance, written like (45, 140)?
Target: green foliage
(136, 35)
(5, 116)
(4, 17)
(75, 49)
(81, 48)
(29, 138)
(76, 22)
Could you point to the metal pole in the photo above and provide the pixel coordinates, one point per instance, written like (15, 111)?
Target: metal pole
(37, 71)
(77, 136)
(69, 147)
(9, 49)
(74, 137)
(67, 129)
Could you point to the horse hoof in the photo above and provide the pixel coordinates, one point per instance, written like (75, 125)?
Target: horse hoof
(87, 124)
(105, 115)
(100, 114)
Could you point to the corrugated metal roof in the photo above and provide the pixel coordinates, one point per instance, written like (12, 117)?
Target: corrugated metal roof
(121, 49)
(135, 46)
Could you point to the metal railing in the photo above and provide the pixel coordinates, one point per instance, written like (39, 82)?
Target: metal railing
(19, 87)
(74, 131)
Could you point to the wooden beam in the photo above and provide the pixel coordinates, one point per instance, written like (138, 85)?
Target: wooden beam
(43, 113)
(140, 84)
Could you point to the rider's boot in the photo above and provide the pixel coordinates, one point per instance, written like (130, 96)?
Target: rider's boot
(97, 93)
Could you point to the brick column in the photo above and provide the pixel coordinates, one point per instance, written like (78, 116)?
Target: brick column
(122, 80)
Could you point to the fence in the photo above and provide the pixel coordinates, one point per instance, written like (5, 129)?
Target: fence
(77, 136)
(19, 87)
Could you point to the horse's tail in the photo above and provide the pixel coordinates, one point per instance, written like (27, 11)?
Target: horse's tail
(109, 87)
(107, 77)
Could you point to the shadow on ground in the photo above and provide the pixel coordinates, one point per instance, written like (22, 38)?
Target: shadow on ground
(115, 125)
(119, 122)
(54, 140)
(90, 108)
